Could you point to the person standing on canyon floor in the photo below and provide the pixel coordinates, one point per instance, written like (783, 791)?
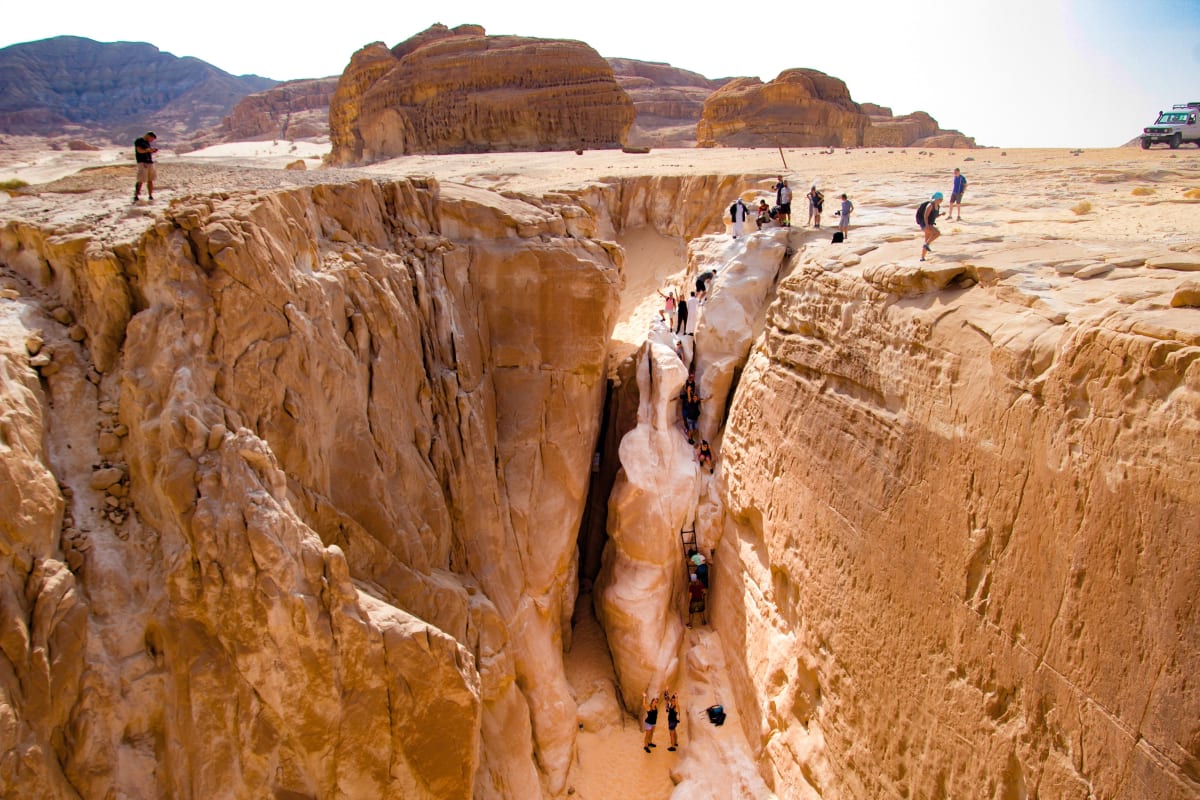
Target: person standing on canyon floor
(143, 153)
(672, 718)
(696, 594)
(651, 709)
(682, 309)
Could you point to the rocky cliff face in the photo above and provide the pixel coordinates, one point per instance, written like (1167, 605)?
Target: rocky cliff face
(297, 495)
(800, 108)
(122, 88)
(668, 101)
(461, 91)
(807, 108)
(291, 110)
(917, 129)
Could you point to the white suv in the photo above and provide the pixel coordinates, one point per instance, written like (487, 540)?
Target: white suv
(1174, 127)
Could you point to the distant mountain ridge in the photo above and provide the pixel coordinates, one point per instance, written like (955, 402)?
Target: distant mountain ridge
(56, 85)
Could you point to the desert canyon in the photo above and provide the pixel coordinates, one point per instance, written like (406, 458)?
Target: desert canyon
(368, 480)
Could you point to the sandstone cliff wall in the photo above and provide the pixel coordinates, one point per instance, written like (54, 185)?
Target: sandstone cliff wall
(461, 91)
(799, 108)
(298, 493)
(291, 110)
(958, 541)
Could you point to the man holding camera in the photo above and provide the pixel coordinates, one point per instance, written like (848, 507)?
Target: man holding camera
(143, 152)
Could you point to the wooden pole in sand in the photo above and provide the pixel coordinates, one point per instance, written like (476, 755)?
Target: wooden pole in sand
(781, 158)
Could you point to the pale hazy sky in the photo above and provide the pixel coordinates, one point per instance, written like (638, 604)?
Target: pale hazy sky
(1052, 73)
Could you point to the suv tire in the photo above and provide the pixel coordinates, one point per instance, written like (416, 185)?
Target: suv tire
(1176, 140)
(1145, 144)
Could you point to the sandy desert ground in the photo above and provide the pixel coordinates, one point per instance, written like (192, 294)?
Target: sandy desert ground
(1045, 212)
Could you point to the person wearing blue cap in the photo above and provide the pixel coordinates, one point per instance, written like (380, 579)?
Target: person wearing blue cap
(927, 214)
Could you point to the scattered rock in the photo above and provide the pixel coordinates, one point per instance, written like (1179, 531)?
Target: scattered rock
(1094, 271)
(1187, 295)
(76, 333)
(108, 443)
(1180, 261)
(297, 164)
(106, 477)
(62, 314)
(34, 342)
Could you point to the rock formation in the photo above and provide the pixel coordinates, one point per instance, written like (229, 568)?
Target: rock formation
(290, 110)
(668, 101)
(807, 108)
(121, 88)
(295, 511)
(917, 129)
(461, 91)
(293, 480)
(800, 108)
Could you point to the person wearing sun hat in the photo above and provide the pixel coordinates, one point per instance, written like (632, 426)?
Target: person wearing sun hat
(927, 214)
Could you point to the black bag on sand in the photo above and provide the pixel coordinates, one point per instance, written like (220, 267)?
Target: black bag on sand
(716, 714)
(838, 238)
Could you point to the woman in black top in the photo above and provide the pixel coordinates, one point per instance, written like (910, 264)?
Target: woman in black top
(672, 717)
(651, 709)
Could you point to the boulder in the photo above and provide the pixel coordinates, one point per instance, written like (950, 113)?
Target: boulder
(462, 91)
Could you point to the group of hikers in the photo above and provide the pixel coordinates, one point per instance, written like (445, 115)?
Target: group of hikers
(697, 594)
(781, 212)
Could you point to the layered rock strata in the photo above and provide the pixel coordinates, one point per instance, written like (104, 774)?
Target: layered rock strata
(122, 88)
(297, 481)
(799, 108)
(668, 101)
(461, 91)
(957, 535)
(291, 110)
(917, 129)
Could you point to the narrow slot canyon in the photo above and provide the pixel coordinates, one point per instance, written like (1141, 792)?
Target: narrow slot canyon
(375, 488)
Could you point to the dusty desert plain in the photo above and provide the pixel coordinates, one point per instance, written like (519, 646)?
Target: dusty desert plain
(1001, 604)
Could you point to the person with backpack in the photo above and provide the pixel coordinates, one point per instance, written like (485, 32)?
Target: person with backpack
(737, 214)
(844, 217)
(783, 201)
(650, 706)
(816, 204)
(927, 214)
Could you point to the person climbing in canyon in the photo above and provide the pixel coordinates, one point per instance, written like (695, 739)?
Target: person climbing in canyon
(672, 718)
(737, 215)
(956, 194)
(705, 456)
(783, 201)
(844, 217)
(702, 284)
(693, 313)
(927, 214)
(699, 567)
(667, 313)
(764, 214)
(650, 706)
(816, 204)
(143, 154)
(691, 409)
(696, 593)
(679, 351)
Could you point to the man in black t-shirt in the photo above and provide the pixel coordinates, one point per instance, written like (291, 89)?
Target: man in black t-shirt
(143, 151)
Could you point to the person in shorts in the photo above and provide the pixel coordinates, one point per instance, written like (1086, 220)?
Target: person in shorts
(783, 201)
(143, 153)
(956, 194)
(816, 204)
(927, 214)
(672, 718)
(650, 706)
(844, 217)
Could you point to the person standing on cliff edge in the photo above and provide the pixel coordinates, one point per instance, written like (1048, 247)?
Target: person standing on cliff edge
(956, 194)
(143, 152)
(737, 215)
